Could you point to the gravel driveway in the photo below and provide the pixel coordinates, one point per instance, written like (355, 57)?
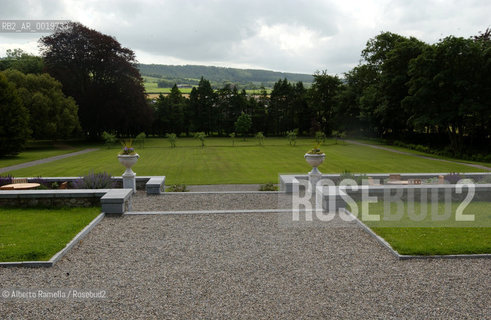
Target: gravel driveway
(246, 266)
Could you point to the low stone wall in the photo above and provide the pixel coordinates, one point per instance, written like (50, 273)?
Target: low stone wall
(50, 202)
(287, 181)
(140, 180)
(480, 192)
(112, 201)
(52, 198)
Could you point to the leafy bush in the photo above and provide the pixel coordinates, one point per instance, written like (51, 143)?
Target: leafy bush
(5, 180)
(268, 187)
(339, 135)
(172, 139)
(43, 184)
(100, 180)
(260, 138)
(292, 137)
(140, 139)
(201, 137)
(243, 124)
(348, 175)
(445, 152)
(109, 139)
(177, 188)
(320, 137)
(453, 178)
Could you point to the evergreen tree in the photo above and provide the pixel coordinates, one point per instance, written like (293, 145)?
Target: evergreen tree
(14, 122)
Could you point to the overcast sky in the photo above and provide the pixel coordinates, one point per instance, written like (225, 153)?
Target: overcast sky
(288, 35)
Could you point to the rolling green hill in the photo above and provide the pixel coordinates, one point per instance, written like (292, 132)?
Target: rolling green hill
(167, 75)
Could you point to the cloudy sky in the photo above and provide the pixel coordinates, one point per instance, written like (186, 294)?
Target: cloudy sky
(286, 35)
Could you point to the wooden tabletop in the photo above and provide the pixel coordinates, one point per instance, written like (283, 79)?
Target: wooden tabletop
(397, 182)
(20, 186)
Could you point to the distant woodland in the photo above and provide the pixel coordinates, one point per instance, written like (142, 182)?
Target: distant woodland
(218, 76)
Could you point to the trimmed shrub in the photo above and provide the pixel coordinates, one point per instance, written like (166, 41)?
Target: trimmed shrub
(100, 180)
(268, 187)
(177, 188)
(5, 180)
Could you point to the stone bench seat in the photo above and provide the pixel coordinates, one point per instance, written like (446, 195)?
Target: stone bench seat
(155, 185)
(116, 201)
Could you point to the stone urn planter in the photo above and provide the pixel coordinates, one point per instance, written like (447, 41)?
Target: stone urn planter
(315, 160)
(128, 161)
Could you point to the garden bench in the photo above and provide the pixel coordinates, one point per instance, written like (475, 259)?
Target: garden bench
(116, 201)
(155, 185)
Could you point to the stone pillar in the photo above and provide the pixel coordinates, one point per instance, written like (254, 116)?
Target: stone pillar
(129, 181)
(314, 176)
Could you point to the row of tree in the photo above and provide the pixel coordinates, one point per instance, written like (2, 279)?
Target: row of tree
(407, 89)
(403, 89)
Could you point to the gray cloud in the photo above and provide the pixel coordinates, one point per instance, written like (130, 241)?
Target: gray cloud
(289, 35)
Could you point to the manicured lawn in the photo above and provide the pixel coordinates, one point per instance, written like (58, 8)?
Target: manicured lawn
(37, 234)
(436, 238)
(379, 143)
(37, 153)
(219, 162)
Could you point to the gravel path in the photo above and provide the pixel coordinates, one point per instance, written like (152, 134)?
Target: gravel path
(45, 160)
(419, 156)
(246, 266)
(182, 201)
(223, 187)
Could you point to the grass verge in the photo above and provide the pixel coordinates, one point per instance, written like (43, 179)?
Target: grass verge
(428, 237)
(36, 234)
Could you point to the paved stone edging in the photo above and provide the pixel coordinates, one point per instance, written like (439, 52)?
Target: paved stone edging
(417, 155)
(51, 262)
(384, 243)
(206, 212)
(45, 160)
(223, 192)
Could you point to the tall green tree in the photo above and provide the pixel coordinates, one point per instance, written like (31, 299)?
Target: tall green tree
(448, 89)
(243, 124)
(14, 129)
(259, 106)
(17, 59)
(52, 114)
(202, 104)
(393, 86)
(354, 112)
(279, 105)
(323, 98)
(102, 77)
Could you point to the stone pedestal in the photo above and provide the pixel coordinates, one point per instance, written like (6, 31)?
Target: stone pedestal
(129, 181)
(314, 176)
(128, 160)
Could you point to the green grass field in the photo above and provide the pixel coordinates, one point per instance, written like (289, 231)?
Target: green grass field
(151, 87)
(378, 143)
(436, 237)
(36, 153)
(37, 234)
(220, 163)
